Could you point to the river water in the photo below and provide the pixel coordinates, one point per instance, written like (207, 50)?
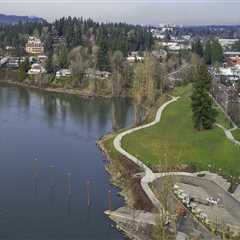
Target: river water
(50, 165)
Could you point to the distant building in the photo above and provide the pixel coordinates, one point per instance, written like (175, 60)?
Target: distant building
(176, 46)
(227, 42)
(232, 58)
(34, 46)
(3, 61)
(42, 59)
(134, 57)
(13, 62)
(63, 73)
(160, 54)
(10, 48)
(92, 73)
(36, 69)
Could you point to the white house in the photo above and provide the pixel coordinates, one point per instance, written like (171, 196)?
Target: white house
(36, 69)
(63, 73)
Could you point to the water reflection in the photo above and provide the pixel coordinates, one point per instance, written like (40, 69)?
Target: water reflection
(51, 197)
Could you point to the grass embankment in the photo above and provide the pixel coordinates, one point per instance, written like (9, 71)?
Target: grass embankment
(236, 134)
(176, 144)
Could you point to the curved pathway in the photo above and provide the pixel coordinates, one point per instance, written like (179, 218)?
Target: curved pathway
(228, 133)
(149, 176)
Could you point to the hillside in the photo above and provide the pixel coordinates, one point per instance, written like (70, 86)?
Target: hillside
(13, 19)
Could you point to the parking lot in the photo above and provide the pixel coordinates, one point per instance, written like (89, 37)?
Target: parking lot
(209, 207)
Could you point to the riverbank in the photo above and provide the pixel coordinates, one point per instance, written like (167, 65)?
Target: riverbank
(69, 91)
(127, 176)
(122, 171)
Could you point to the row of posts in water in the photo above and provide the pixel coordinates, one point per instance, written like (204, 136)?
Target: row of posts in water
(69, 185)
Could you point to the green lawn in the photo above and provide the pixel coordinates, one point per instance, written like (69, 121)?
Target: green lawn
(175, 142)
(236, 134)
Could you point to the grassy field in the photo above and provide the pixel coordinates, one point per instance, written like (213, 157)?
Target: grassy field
(174, 141)
(236, 134)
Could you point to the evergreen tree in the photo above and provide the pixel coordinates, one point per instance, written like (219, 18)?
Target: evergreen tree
(23, 69)
(216, 52)
(207, 53)
(49, 63)
(198, 48)
(204, 115)
(21, 72)
(103, 62)
(213, 52)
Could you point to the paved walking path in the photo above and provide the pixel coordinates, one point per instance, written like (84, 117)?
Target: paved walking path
(149, 175)
(228, 133)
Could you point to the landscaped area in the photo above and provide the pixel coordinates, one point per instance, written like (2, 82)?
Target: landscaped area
(174, 141)
(236, 134)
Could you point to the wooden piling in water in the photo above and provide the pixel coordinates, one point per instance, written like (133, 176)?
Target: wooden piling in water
(109, 200)
(88, 193)
(69, 184)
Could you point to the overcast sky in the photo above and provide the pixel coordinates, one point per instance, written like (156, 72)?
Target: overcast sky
(131, 11)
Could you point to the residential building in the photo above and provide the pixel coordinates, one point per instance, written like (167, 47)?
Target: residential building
(232, 58)
(13, 62)
(160, 54)
(34, 46)
(63, 73)
(227, 43)
(36, 69)
(42, 59)
(92, 73)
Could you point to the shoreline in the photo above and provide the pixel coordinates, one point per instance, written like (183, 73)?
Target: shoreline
(70, 91)
(115, 180)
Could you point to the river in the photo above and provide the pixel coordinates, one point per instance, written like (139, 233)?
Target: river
(48, 160)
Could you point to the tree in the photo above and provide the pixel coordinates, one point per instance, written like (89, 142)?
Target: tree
(103, 62)
(117, 66)
(23, 69)
(79, 62)
(197, 48)
(204, 115)
(49, 63)
(216, 52)
(213, 52)
(207, 53)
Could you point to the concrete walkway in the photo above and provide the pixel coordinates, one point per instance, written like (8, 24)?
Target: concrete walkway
(149, 176)
(228, 133)
(126, 214)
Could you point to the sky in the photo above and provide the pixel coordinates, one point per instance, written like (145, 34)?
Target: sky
(187, 12)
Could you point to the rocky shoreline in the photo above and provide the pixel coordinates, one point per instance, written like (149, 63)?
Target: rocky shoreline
(127, 185)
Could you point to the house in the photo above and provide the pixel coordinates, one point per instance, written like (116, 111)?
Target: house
(134, 57)
(34, 46)
(228, 76)
(160, 54)
(92, 73)
(36, 69)
(3, 61)
(42, 59)
(63, 73)
(232, 58)
(227, 42)
(233, 61)
(13, 62)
